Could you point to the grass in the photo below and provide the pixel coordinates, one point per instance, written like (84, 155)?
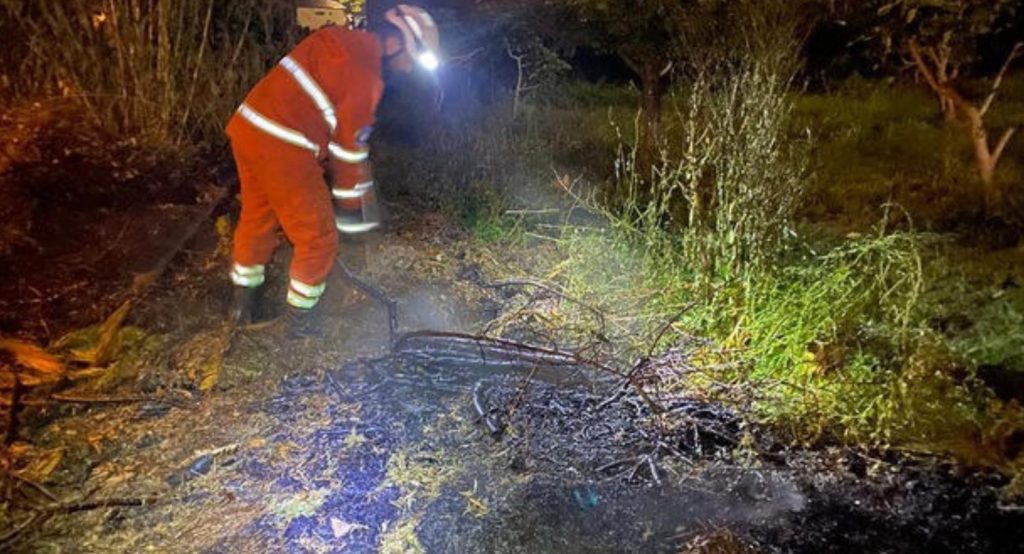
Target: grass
(836, 347)
(421, 477)
(877, 143)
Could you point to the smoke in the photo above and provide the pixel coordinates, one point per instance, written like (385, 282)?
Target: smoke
(431, 308)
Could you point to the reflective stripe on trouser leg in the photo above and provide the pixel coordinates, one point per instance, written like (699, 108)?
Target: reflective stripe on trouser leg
(306, 297)
(248, 276)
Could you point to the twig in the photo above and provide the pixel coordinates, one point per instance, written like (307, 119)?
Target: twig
(522, 394)
(549, 288)
(128, 399)
(7, 538)
(11, 432)
(654, 470)
(485, 416)
(615, 464)
(675, 452)
(668, 325)
(547, 354)
(46, 512)
(534, 212)
(226, 449)
(37, 486)
(622, 388)
(73, 508)
(636, 469)
(630, 379)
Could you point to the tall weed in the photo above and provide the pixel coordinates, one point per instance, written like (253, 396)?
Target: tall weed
(727, 192)
(170, 71)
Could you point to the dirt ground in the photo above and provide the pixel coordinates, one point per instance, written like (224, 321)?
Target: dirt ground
(345, 444)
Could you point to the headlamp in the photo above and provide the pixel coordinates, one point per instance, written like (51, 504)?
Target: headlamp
(429, 61)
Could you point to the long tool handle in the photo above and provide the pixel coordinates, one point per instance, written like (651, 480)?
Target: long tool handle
(375, 293)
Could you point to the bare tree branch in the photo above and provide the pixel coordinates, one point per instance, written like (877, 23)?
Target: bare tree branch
(1001, 146)
(922, 66)
(1014, 54)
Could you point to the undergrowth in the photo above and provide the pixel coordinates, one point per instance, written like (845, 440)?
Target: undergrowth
(827, 347)
(830, 341)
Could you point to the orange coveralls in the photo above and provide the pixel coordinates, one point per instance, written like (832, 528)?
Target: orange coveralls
(299, 141)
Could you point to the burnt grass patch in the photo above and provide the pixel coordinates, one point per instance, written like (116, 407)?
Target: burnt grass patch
(454, 445)
(560, 460)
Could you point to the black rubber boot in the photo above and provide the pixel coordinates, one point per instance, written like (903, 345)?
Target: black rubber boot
(243, 306)
(303, 324)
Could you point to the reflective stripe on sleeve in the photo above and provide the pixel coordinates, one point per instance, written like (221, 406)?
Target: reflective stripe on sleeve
(358, 191)
(313, 90)
(349, 156)
(277, 130)
(248, 276)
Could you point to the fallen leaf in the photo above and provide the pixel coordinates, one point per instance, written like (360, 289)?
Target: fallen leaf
(95, 440)
(108, 344)
(342, 529)
(28, 380)
(32, 357)
(19, 449)
(304, 503)
(210, 374)
(223, 226)
(44, 464)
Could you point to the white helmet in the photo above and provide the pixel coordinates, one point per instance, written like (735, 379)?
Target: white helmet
(422, 39)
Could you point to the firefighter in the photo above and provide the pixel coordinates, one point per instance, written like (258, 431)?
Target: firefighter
(300, 142)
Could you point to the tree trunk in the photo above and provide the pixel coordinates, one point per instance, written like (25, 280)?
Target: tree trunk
(517, 94)
(986, 156)
(970, 116)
